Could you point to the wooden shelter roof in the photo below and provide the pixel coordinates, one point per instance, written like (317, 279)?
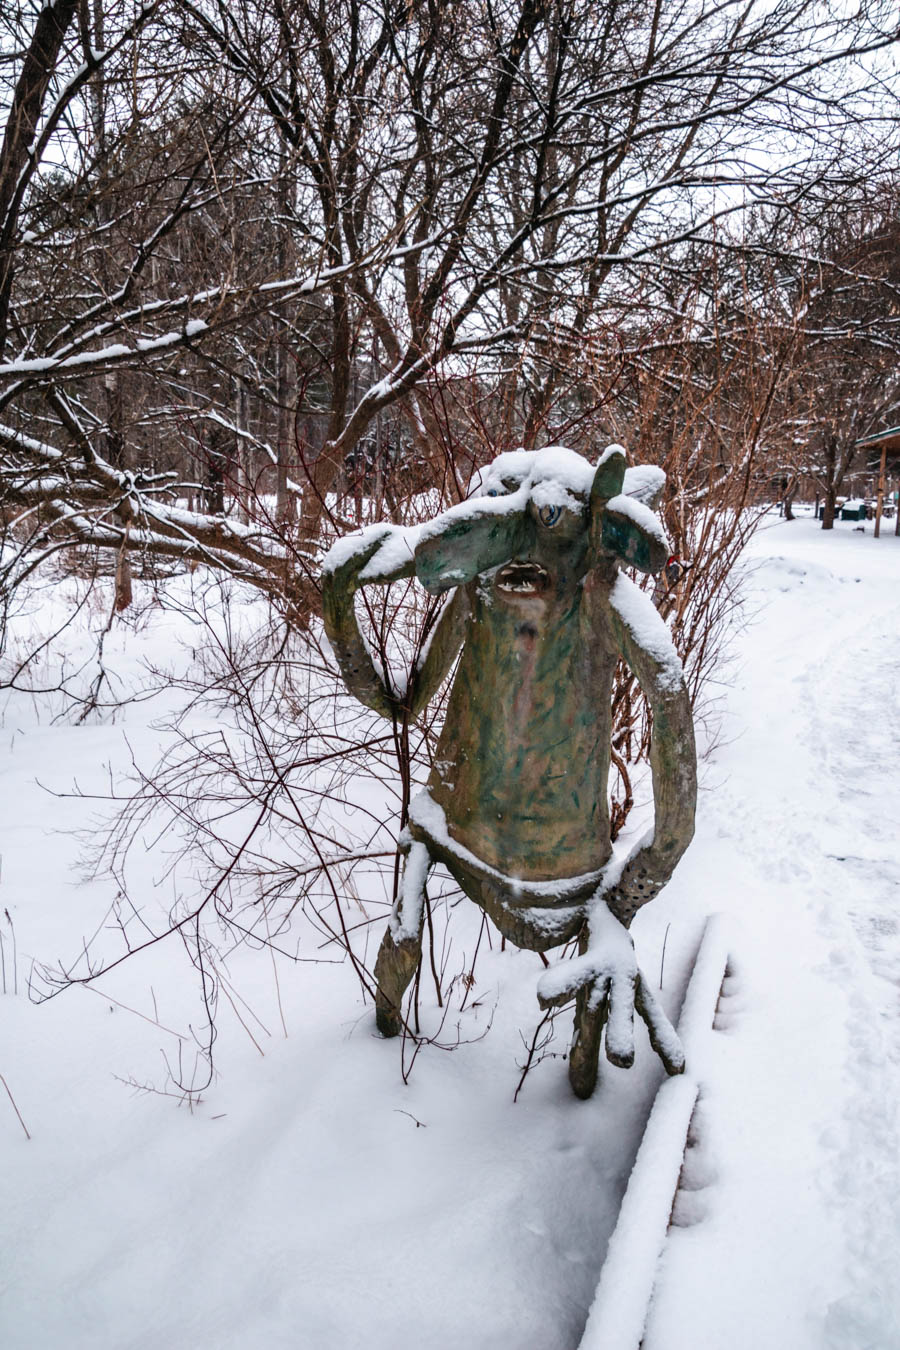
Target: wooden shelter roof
(889, 441)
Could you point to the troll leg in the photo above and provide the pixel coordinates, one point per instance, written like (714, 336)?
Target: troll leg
(401, 946)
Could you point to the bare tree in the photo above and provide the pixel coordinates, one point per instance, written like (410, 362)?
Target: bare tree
(836, 283)
(311, 213)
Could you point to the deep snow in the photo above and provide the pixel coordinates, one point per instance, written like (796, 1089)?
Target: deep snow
(313, 1199)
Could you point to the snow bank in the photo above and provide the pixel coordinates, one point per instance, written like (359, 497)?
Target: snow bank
(619, 1310)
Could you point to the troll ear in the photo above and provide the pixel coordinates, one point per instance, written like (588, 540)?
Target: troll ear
(610, 475)
(621, 526)
(628, 534)
(459, 549)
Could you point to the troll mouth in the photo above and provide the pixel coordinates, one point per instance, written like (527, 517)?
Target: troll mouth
(523, 578)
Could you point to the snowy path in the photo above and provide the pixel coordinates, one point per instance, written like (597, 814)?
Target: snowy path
(791, 1229)
(302, 1205)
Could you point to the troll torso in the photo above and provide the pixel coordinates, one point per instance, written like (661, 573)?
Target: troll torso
(522, 764)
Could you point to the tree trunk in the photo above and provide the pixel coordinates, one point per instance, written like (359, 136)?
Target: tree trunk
(881, 490)
(284, 498)
(284, 394)
(788, 499)
(124, 591)
(24, 115)
(242, 457)
(215, 472)
(838, 460)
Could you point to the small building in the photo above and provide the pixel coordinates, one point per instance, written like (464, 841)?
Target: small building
(849, 510)
(888, 444)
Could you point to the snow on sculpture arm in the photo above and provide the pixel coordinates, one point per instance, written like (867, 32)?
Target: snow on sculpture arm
(648, 650)
(630, 619)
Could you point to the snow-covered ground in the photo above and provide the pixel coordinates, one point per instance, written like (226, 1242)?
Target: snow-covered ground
(314, 1199)
(792, 1233)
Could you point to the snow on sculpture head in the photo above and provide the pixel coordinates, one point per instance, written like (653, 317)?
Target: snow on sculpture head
(551, 512)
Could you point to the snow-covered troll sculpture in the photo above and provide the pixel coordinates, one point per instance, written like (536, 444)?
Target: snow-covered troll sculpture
(516, 806)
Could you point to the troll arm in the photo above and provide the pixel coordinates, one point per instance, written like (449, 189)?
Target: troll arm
(605, 975)
(379, 555)
(646, 646)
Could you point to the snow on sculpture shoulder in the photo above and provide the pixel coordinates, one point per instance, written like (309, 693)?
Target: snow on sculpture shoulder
(516, 805)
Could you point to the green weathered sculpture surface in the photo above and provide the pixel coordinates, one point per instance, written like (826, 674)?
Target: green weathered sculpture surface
(516, 805)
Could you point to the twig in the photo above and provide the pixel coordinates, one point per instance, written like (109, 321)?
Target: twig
(469, 979)
(420, 1124)
(154, 1022)
(14, 1107)
(662, 959)
(437, 983)
(275, 972)
(15, 952)
(547, 1017)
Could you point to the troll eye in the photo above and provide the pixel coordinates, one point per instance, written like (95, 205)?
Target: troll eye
(549, 515)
